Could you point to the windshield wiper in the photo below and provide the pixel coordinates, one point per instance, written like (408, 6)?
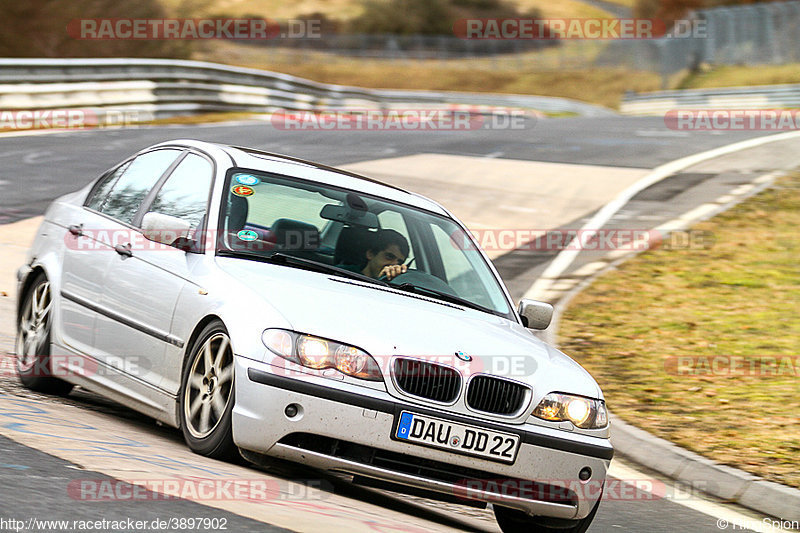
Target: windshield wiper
(410, 287)
(278, 258)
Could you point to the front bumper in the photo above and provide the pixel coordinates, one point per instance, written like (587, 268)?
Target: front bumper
(348, 429)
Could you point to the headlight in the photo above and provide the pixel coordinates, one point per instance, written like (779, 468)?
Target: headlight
(317, 353)
(585, 413)
(313, 352)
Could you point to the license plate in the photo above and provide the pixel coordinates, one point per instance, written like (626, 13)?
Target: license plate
(457, 437)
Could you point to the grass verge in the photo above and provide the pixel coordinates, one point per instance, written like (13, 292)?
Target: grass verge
(560, 71)
(349, 9)
(562, 9)
(738, 298)
(536, 73)
(739, 75)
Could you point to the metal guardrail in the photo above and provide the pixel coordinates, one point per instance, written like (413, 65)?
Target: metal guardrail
(758, 97)
(166, 87)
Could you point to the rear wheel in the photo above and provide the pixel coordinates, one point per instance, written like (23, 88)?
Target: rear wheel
(206, 399)
(33, 340)
(513, 521)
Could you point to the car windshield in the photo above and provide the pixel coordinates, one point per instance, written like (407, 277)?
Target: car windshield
(265, 214)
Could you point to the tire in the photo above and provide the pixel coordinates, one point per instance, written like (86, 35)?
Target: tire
(32, 347)
(513, 521)
(207, 395)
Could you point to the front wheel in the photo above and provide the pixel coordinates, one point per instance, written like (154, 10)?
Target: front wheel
(207, 396)
(34, 366)
(513, 521)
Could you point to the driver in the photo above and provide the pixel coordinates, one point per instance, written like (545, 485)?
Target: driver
(385, 256)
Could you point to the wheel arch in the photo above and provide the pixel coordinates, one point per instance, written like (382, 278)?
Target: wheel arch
(198, 328)
(26, 285)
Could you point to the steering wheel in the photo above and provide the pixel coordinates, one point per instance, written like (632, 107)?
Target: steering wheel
(407, 272)
(422, 279)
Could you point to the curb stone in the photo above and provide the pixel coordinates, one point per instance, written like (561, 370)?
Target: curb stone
(698, 472)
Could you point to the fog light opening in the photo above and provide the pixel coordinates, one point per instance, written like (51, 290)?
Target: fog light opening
(293, 411)
(585, 474)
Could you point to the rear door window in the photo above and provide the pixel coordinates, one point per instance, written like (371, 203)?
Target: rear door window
(120, 195)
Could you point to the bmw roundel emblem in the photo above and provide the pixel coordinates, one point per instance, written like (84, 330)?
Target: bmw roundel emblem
(464, 357)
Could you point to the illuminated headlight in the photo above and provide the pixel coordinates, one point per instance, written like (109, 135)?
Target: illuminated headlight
(317, 353)
(585, 413)
(313, 352)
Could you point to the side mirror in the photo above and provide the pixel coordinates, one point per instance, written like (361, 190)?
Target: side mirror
(165, 229)
(535, 314)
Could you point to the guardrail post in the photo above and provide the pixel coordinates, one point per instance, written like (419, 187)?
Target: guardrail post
(730, 37)
(661, 48)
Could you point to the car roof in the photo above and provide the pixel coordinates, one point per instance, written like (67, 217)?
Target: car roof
(251, 158)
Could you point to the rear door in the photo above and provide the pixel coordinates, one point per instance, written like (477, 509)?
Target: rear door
(143, 284)
(85, 264)
(89, 239)
(108, 213)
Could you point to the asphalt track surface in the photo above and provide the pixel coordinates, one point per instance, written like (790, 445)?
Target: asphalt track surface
(36, 169)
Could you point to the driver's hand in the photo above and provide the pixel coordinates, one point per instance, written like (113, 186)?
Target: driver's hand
(392, 271)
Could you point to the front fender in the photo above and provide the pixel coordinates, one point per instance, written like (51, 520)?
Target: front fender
(215, 294)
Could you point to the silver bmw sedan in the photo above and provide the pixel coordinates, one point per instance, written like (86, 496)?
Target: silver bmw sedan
(271, 307)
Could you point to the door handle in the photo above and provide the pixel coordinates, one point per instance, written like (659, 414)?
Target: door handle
(76, 229)
(124, 250)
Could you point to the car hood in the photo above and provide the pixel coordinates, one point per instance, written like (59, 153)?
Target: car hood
(385, 323)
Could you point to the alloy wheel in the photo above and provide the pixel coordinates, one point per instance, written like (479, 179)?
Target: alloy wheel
(210, 386)
(34, 326)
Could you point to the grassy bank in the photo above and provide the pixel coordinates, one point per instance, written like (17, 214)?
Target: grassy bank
(738, 75)
(552, 72)
(738, 299)
(537, 73)
(349, 9)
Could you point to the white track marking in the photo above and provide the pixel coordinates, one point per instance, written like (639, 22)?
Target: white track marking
(565, 258)
(735, 519)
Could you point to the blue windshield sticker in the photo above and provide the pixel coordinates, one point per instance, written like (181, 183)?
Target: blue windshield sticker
(247, 235)
(247, 179)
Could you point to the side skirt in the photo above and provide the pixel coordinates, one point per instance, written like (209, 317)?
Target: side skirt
(112, 383)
